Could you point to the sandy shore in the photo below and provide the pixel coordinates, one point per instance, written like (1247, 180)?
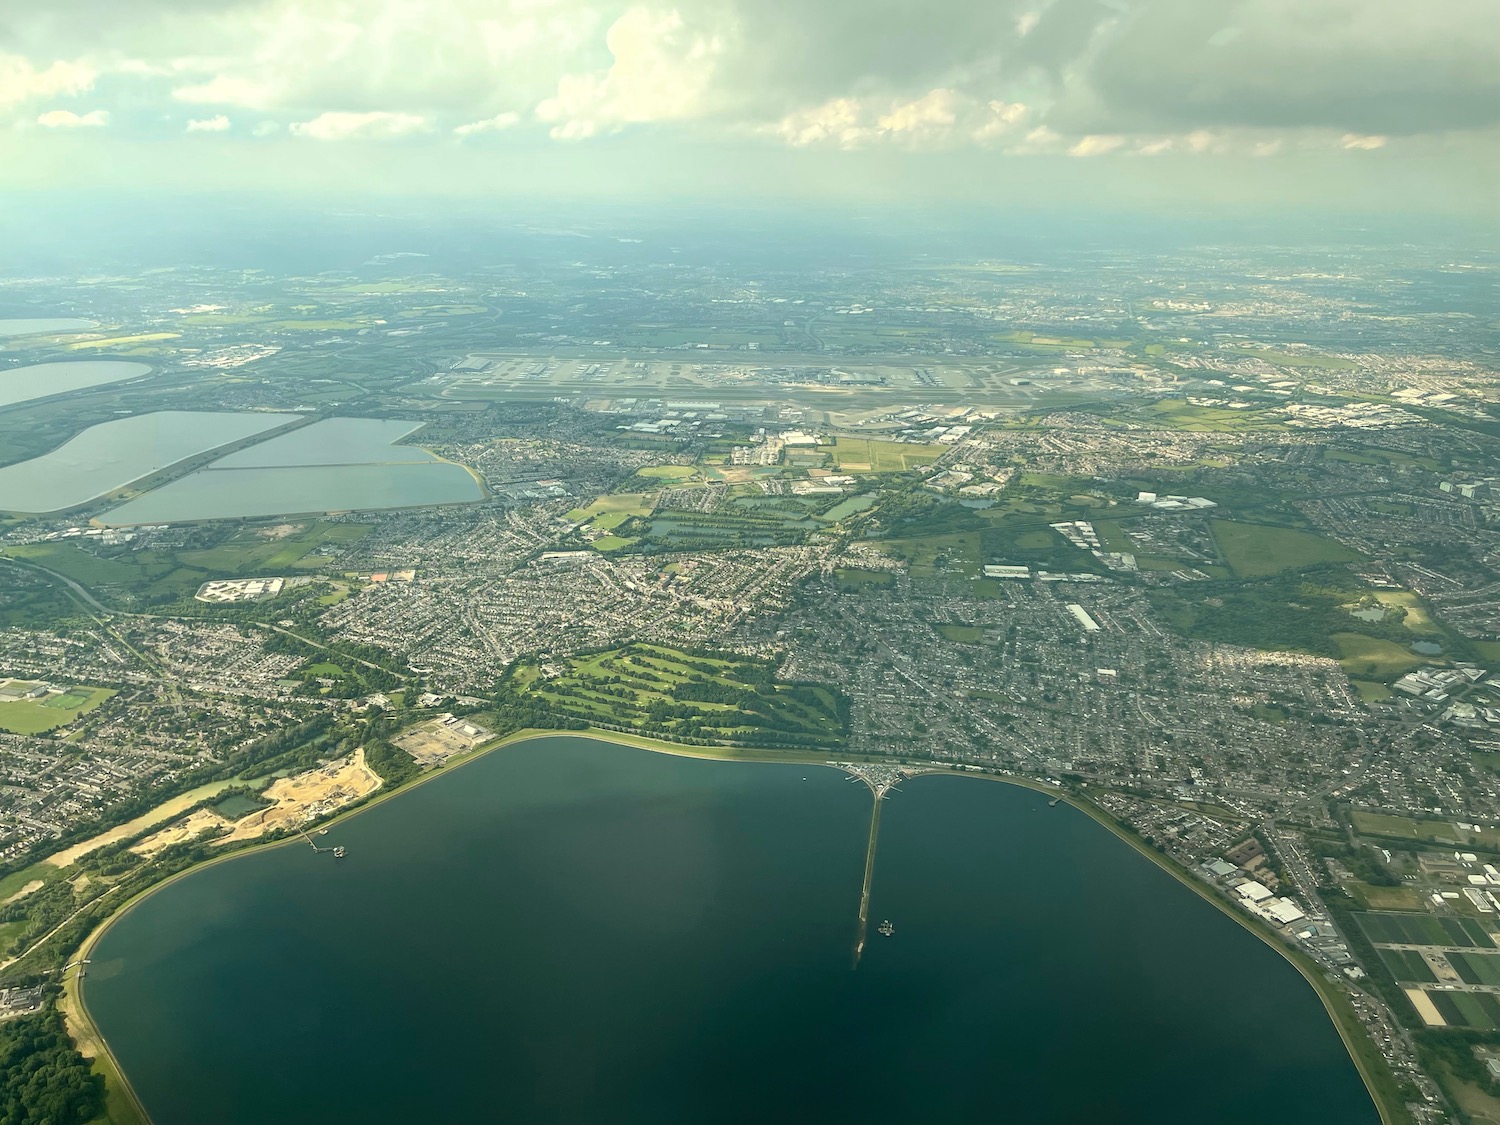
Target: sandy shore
(159, 815)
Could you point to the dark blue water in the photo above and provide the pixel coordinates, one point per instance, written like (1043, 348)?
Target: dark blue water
(571, 932)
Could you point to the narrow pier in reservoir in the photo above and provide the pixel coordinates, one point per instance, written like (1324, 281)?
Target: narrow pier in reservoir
(881, 780)
(864, 894)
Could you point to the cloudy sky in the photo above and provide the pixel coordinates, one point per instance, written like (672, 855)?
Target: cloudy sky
(1365, 104)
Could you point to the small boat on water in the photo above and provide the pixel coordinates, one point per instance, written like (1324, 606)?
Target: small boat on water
(339, 853)
(887, 928)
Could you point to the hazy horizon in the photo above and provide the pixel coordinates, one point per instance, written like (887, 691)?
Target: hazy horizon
(1152, 107)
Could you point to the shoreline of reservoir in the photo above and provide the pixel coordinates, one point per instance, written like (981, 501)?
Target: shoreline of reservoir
(81, 1025)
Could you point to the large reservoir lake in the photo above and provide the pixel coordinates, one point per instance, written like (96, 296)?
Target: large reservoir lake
(576, 933)
(40, 380)
(338, 464)
(113, 454)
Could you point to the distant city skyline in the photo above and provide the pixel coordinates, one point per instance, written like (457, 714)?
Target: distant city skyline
(1368, 107)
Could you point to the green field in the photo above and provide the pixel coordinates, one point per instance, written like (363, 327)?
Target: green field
(962, 634)
(1176, 414)
(690, 697)
(1423, 929)
(1371, 455)
(1374, 897)
(1370, 656)
(666, 472)
(866, 455)
(1299, 358)
(252, 551)
(932, 555)
(36, 716)
(852, 579)
(1370, 691)
(608, 543)
(1415, 615)
(1433, 831)
(1408, 966)
(610, 511)
(1256, 550)
(83, 567)
(1477, 968)
(1467, 1009)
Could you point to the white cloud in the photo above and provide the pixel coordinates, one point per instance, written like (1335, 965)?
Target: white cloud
(1096, 144)
(1003, 117)
(21, 81)
(1201, 140)
(494, 124)
(1026, 23)
(938, 117)
(67, 119)
(836, 121)
(1361, 141)
(216, 124)
(933, 110)
(224, 89)
(376, 125)
(1267, 148)
(662, 71)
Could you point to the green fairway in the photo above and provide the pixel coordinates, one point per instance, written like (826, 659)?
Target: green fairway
(694, 697)
(1256, 550)
(37, 716)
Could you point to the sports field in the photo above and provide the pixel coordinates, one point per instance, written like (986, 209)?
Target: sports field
(36, 716)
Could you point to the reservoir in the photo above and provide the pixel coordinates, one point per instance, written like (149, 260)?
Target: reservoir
(575, 933)
(338, 464)
(39, 380)
(113, 454)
